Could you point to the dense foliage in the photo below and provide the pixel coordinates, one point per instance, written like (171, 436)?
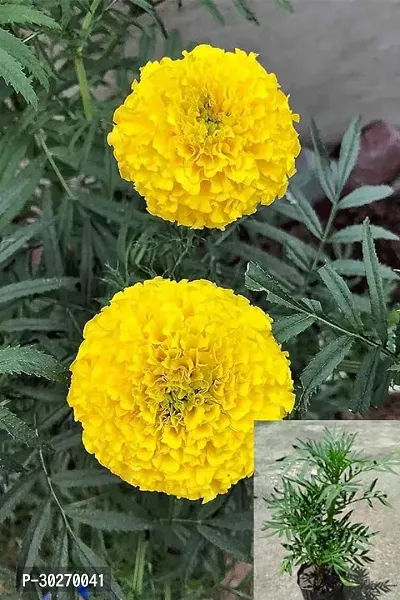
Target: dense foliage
(73, 233)
(312, 509)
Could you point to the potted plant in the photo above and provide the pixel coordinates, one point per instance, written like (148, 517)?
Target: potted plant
(312, 509)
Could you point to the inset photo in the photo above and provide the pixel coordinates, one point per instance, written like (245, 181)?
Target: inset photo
(327, 510)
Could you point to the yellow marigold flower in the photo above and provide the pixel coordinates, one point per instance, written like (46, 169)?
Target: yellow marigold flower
(169, 380)
(206, 138)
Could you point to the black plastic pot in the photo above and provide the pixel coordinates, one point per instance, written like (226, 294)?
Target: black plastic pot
(330, 589)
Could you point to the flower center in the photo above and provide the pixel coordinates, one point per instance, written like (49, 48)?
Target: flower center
(207, 116)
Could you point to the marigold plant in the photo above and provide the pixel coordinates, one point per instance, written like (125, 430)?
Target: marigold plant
(206, 138)
(169, 380)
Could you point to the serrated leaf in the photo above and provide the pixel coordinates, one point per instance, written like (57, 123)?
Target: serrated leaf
(224, 541)
(30, 361)
(84, 478)
(20, 431)
(23, 55)
(32, 287)
(375, 287)
(307, 214)
(362, 393)
(10, 499)
(349, 150)
(354, 233)
(356, 268)
(109, 520)
(258, 280)
(214, 10)
(365, 195)
(342, 295)
(289, 327)
(33, 538)
(12, 13)
(324, 363)
(234, 521)
(12, 73)
(322, 163)
(11, 244)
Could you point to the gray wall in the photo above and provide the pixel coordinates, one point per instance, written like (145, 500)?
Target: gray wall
(336, 58)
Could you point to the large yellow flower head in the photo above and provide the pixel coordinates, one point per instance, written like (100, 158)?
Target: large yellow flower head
(206, 138)
(169, 380)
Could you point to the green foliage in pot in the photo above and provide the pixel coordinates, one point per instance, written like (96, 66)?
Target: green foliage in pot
(313, 508)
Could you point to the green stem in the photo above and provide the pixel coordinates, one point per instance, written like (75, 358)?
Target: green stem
(79, 64)
(83, 86)
(322, 243)
(40, 141)
(138, 574)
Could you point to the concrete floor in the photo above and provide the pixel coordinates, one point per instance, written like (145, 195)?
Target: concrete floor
(378, 581)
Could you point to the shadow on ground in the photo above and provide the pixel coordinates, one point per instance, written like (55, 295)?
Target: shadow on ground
(368, 589)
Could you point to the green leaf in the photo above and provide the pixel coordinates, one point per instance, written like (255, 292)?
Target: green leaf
(324, 363)
(354, 233)
(30, 361)
(362, 393)
(365, 195)
(22, 55)
(32, 287)
(307, 214)
(84, 478)
(234, 521)
(109, 520)
(349, 150)
(33, 538)
(375, 286)
(148, 8)
(286, 328)
(287, 275)
(12, 73)
(61, 561)
(214, 10)
(31, 324)
(51, 245)
(10, 499)
(224, 541)
(286, 5)
(258, 280)
(356, 268)
(342, 295)
(192, 555)
(11, 244)
(16, 193)
(12, 13)
(20, 431)
(243, 7)
(322, 163)
(9, 465)
(91, 559)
